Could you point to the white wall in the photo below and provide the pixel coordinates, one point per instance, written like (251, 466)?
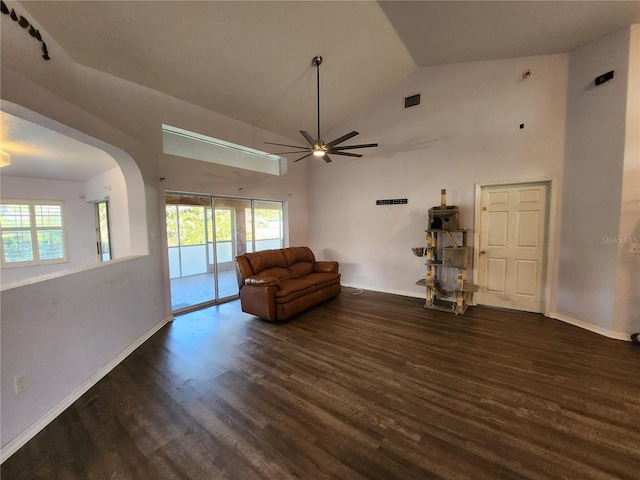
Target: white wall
(63, 332)
(80, 231)
(593, 186)
(626, 315)
(111, 186)
(466, 130)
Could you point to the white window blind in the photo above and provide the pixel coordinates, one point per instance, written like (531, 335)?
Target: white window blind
(32, 232)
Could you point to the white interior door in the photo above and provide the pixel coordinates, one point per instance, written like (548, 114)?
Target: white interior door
(511, 260)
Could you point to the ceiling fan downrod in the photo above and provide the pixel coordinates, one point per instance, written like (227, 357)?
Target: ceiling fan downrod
(317, 61)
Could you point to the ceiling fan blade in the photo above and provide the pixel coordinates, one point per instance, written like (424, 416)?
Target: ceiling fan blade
(308, 137)
(326, 158)
(285, 145)
(307, 155)
(342, 139)
(336, 152)
(351, 147)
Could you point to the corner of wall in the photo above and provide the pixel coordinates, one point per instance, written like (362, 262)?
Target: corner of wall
(594, 168)
(626, 316)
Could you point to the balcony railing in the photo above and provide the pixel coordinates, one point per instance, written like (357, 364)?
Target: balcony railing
(195, 259)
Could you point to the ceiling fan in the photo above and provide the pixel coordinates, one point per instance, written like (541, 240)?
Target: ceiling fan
(318, 147)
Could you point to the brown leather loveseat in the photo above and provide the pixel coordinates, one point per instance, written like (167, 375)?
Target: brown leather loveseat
(276, 284)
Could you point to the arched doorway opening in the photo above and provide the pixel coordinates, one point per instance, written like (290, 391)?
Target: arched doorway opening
(51, 162)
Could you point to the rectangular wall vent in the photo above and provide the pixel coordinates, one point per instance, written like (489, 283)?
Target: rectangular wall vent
(392, 201)
(412, 101)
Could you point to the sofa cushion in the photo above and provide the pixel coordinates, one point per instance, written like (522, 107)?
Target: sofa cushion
(264, 259)
(288, 309)
(323, 279)
(295, 288)
(300, 269)
(278, 272)
(294, 255)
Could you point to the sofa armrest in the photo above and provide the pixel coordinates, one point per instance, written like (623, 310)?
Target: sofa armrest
(259, 300)
(325, 267)
(263, 281)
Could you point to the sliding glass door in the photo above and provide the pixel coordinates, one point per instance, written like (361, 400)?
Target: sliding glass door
(266, 226)
(191, 267)
(230, 214)
(204, 235)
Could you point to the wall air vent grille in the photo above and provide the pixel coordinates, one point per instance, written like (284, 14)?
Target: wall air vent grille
(392, 201)
(412, 101)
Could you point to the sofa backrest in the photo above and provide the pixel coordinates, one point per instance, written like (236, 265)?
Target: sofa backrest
(284, 263)
(299, 260)
(269, 263)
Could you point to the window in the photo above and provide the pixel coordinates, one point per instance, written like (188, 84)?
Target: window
(187, 144)
(32, 232)
(103, 238)
(268, 224)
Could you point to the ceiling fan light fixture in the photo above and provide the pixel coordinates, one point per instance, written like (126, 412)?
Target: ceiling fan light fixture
(318, 153)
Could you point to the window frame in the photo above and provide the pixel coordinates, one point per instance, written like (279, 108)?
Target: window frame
(33, 229)
(100, 231)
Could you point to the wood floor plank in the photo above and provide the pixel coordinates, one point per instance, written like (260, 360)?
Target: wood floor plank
(369, 386)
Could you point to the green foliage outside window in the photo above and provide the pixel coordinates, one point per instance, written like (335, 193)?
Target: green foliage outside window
(17, 247)
(223, 225)
(188, 223)
(50, 244)
(192, 225)
(268, 223)
(172, 225)
(191, 219)
(32, 232)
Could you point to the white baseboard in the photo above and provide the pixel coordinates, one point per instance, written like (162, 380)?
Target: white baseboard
(591, 328)
(23, 437)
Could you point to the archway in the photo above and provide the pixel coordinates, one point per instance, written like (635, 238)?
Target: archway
(38, 172)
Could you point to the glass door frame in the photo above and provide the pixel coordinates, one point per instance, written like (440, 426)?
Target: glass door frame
(100, 241)
(281, 241)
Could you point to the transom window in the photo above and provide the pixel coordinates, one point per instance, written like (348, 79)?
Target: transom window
(32, 232)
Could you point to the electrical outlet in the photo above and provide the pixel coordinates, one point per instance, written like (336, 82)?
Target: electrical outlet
(635, 248)
(20, 383)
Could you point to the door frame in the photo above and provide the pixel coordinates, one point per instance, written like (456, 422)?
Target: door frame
(550, 230)
(217, 300)
(234, 249)
(96, 215)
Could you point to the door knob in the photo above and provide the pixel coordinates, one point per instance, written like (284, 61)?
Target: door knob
(482, 252)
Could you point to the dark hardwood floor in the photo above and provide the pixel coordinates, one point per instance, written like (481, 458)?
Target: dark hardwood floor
(372, 386)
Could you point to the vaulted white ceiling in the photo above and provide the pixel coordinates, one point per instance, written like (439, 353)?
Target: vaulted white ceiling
(251, 60)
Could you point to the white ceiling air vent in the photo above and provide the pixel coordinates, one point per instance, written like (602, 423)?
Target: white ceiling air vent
(412, 100)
